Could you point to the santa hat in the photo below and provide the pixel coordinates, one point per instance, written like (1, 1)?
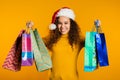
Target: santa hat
(65, 11)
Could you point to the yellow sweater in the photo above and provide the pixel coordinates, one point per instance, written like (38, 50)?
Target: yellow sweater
(64, 59)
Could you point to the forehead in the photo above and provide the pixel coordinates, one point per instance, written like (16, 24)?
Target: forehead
(63, 18)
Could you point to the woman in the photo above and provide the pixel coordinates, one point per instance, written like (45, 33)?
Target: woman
(65, 42)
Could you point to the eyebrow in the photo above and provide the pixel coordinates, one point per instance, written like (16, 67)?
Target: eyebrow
(64, 21)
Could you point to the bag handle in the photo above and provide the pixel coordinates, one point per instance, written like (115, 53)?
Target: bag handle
(97, 26)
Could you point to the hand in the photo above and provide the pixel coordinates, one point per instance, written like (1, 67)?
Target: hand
(29, 24)
(97, 23)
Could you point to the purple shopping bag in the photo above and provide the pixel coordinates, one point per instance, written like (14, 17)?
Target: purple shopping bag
(27, 54)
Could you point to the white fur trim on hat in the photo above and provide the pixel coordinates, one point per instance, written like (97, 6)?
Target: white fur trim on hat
(67, 13)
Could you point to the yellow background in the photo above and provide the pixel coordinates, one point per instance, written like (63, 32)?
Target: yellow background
(15, 13)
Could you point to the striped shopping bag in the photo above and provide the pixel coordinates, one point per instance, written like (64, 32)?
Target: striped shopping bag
(13, 59)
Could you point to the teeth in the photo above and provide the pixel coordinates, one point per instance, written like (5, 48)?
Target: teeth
(63, 30)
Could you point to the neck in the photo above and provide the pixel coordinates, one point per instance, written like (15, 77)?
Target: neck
(64, 35)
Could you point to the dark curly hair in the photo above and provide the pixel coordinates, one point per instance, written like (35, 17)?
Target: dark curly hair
(74, 35)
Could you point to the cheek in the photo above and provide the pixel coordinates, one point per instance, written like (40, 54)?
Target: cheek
(59, 27)
(68, 27)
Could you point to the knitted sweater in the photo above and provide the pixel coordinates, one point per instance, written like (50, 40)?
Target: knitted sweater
(64, 59)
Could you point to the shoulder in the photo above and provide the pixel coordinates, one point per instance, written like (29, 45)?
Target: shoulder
(82, 41)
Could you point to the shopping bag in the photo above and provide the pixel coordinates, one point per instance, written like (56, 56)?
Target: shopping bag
(41, 55)
(101, 49)
(13, 59)
(27, 54)
(90, 62)
(95, 48)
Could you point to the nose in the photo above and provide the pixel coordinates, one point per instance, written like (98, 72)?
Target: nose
(62, 25)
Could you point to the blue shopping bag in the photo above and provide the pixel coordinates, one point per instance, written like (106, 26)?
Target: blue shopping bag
(101, 49)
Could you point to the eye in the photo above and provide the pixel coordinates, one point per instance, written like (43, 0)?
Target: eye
(59, 23)
(66, 22)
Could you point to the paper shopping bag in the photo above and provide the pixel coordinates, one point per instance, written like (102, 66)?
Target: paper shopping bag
(13, 59)
(27, 54)
(90, 62)
(41, 55)
(101, 49)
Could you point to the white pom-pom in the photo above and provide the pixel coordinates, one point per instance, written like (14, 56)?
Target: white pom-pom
(52, 26)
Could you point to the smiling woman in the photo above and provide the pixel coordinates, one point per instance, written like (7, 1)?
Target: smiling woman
(65, 43)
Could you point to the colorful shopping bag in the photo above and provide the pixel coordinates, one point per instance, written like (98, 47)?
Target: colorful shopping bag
(27, 54)
(13, 59)
(90, 62)
(41, 55)
(95, 49)
(101, 49)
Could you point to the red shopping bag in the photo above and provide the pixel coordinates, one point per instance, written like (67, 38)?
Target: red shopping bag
(13, 59)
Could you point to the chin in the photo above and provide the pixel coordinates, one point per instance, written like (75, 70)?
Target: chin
(63, 32)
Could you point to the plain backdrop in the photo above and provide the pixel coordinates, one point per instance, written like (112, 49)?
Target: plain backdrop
(15, 13)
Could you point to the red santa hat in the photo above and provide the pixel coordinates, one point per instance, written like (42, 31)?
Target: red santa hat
(65, 11)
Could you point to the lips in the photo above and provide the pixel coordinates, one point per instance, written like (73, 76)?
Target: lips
(63, 30)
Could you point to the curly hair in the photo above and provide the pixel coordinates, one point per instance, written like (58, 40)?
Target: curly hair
(74, 35)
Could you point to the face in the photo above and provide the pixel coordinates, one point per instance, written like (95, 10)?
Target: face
(64, 24)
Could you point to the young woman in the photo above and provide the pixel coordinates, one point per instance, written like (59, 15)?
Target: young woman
(65, 42)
